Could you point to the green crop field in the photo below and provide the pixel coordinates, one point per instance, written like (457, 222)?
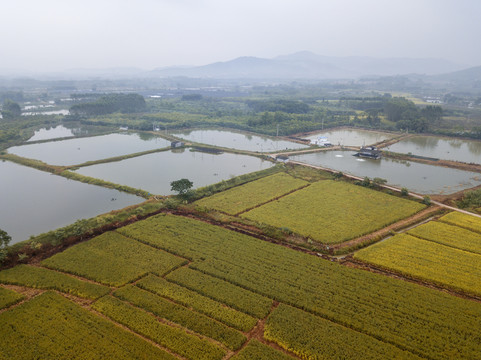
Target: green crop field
(223, 291)
(387, 309)
(175, 339)
(198, 302)
(258, 351)
(469, 222)
(41, 278)
(332, 211)
(427, 260)
(250, 195)
(113, 259)
(8, 297)
(52, 327)
(312, 337)
(450, 235)
(181, 315)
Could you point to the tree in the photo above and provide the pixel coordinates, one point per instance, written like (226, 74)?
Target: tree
(11, 109)
(183, 187)
(4, 240)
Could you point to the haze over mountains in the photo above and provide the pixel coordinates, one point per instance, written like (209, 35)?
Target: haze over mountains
(298, 66)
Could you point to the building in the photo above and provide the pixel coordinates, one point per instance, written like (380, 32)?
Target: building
(176, 144)
(369, 152)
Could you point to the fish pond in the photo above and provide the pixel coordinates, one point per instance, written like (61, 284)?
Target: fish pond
(34, 202)
(420, 178)
(238, 141)
(351, 137)
(154, 172)
(468, 151)
(77, 151)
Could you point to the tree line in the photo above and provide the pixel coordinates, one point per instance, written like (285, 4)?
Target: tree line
(111, 103)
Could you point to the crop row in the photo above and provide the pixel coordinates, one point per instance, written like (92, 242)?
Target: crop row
(113, 259)
(333, 211)
(8, 297)
(427, 260)
(145, 324)
(311, 337)
(222, 291)
(258, 351)
(466, 221)
(247, 196)
(52, 327)
(198, 302)
(181, 315)
(41, 278)
(388, 309)
(450, 235)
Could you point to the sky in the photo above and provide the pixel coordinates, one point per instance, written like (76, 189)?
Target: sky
(57, 35)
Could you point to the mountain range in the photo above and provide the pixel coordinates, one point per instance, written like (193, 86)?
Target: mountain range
(307, 65)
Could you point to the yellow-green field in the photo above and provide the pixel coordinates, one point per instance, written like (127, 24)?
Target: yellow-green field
(244, 197)
(427, 260)
(332, 211)
(185, 281)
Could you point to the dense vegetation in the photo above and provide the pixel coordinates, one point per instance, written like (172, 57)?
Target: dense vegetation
(108, 104)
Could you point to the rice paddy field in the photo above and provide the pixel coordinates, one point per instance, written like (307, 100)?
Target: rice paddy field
(332, 212)
(447, 254)
(175, 287)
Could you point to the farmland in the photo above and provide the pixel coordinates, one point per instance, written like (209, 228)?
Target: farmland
(122, 260)
(462, 220)
(332, 212)
(51, 327)
(312, 337)
(199, 291)
(250, 195)
(41, 278)
(449, 235)
(395, 309)
(8, 297)
(428, 261)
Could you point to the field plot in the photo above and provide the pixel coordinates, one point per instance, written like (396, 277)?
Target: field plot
(469, 222)
(450, 235)
(40, 278)
(244, 197)
(52, 327)
(113, 259)
(424, 321)
(312, 337)
(427, 260)
(198, 302)
(332, 212)
(181, 315)
(173, 338)
(220, 290)
(258, 351)
(8, 297)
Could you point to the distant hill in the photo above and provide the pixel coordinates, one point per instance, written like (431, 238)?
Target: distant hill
(307, 65)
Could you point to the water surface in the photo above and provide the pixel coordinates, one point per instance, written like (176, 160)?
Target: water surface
(59, 131)
(468, 151)
(154, 172)
(239, 141)
(352, 137)
(420, 178)
(34, 202)
(77, 151)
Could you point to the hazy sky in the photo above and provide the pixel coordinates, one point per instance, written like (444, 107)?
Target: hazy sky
(50, 35)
